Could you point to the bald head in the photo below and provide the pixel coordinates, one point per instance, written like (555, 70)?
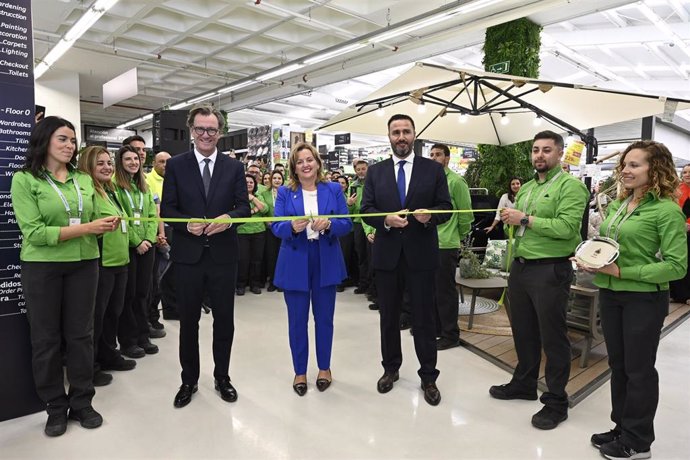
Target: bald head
(159, 162)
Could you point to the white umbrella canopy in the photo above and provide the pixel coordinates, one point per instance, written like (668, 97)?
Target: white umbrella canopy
(485, 98)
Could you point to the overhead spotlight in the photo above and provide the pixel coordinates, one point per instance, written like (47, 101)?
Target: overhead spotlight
(421, 108)
(463, 118)
(380, 112)
(504, 119)
(537, 120)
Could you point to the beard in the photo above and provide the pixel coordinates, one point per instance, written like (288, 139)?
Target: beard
(402, 151)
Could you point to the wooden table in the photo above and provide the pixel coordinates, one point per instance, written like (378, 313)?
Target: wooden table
(477, 285)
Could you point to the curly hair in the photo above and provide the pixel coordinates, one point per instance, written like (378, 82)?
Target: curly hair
(663, 179)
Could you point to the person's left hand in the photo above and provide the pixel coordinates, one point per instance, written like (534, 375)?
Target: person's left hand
(213, 228)
(611, 269)
(421, 216)
(319, 224)
(511, 216)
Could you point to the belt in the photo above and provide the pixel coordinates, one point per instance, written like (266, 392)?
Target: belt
(542, 261)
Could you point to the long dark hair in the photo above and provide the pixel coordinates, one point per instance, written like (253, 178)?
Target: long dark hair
(39, 141)
(511, 194)
(256, 186)
(122, 177)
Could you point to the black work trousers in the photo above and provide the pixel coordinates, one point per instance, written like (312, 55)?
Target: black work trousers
(134, 321)
(632, 323)
(110, 301)
(251, 246)
(538, 295)
(60, 299)
(271, 249)
(447, 296)
(361, 244)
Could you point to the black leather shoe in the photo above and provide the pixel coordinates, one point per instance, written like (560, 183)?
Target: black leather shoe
(340, 288)
(373, 306)
(361, 290)
(134, 352)
(549, 418)
(56, 424)
(444, 343)
(87, 417)
(300, 388)
(271, 288)
(149, 348)
(322, 384)
(184, 396)
(385, 383)
(121, 364)
(509, 391)
(156, 333)
(239, 291)
(431, 393)
(227, 391)
(101, 379)
(255, 290)
(405, 324)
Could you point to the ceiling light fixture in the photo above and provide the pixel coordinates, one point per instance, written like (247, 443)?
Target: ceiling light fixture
(380, 111)
(504, 119)
(334, 53)
(421, 108)
(278, 72)
(537, 120)
(83, 24)
(463, 118)
(136, 121)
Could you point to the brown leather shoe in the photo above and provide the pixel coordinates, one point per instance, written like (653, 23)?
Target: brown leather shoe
(385, 383)
(431, 393)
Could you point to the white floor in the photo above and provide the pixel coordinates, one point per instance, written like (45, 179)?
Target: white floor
(350, 419)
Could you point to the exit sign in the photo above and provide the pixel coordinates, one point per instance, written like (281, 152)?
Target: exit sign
(500, 67)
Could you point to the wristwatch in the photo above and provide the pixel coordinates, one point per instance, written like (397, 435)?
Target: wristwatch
(525, 220)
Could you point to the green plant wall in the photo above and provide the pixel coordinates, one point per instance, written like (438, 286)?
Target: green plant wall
(517, 42)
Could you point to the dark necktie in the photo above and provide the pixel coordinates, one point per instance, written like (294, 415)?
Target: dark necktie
(401, 182)
(206, 175)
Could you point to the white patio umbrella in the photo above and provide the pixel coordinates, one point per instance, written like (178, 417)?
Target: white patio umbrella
(468, 106)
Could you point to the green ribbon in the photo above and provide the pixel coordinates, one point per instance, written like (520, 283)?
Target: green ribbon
(244, 220)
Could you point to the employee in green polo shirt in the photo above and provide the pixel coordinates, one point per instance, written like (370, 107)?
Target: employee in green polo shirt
(137, 201)
(272, 245)
(112, 270)
(251, 242)
(362, 247)
(54, 207)
(649, 227)
(547, 219)
(450, 234)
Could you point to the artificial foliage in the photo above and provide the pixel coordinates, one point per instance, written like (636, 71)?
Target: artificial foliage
(517, 42)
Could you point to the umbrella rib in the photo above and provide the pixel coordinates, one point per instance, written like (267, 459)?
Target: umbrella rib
(493, 123)
(451, 102)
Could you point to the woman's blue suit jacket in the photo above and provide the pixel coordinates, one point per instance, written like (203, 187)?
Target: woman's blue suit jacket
(291, 269)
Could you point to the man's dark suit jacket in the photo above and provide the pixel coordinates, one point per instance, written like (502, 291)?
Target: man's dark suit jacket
(183, 197)
(428, 189)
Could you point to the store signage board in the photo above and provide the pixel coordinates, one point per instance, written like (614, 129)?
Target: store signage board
(16, 121)
(500, 67)
(342, 139)
(104, 134)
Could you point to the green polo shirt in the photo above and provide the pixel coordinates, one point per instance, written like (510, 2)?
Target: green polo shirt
(251, 228)
(41, 213)
(266, 197)
(454, 230)
(355, 208)
(657, 226)
(145, 230)
(115, 244)
(558, 208)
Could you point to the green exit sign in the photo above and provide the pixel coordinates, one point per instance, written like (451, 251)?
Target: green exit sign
(500, 67)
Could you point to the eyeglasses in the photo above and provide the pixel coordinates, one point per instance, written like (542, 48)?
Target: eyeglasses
(199, 131)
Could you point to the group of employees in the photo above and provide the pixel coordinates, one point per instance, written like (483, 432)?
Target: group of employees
(88, 231)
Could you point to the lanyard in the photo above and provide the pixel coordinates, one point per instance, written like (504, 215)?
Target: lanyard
(623, 208)
(131, 202)
(80, 200)
(115, 205)
(533, 204)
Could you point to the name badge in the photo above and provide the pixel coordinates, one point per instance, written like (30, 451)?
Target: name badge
(521, 230)
(123, 226)
(74, 221)
(137, 215)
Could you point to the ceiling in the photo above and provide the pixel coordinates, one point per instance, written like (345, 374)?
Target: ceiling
(184, 49)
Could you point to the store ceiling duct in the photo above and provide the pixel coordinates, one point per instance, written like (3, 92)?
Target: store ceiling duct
(467, 106)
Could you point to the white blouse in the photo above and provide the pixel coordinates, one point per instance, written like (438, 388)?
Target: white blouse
(504, 202)
(311, 208)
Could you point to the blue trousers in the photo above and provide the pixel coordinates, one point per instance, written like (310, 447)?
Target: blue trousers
(323, 307)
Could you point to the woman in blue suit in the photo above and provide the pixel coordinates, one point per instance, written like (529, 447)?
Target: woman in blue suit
(310, 263)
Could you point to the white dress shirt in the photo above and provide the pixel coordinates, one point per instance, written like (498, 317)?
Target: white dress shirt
(407, 168)
(200, 160)
(311, 207)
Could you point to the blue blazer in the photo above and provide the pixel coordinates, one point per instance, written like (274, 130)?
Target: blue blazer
(291, 268)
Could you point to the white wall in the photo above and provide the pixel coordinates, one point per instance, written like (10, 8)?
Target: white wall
(678, 142)
(58, 91)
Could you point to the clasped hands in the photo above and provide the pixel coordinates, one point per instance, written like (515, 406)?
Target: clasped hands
(400, 221)
(318, 225)
(208, 229)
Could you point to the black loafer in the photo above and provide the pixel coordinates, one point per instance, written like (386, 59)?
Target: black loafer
(322, 384)
(184, 395)
(227, 391)
(385, 383)
(431, 393)
(56, 424)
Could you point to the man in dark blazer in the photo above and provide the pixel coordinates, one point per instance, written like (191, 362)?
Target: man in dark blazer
(204, 183)
(405, 252)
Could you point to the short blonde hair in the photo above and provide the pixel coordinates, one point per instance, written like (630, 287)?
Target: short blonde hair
(293, 180)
